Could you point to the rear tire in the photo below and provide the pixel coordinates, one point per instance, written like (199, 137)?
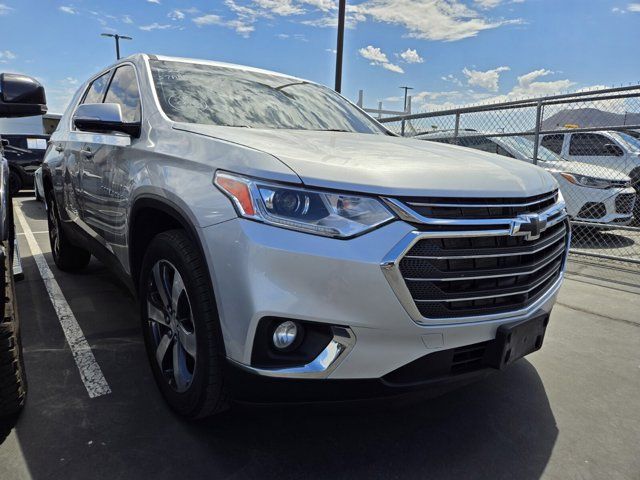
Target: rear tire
(13, 383)
(67, 256)
(181, 327)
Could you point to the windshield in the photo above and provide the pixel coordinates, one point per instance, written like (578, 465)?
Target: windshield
(214, 95)
(631, 141)
(525, 147)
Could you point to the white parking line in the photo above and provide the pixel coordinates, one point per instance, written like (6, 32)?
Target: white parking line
(90, 371)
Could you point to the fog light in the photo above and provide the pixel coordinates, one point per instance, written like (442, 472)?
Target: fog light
(285, 334)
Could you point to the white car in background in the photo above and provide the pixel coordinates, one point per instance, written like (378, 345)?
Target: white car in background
(593, 193)
(611, 149)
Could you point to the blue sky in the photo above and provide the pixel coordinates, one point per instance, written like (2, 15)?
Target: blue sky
(451, 51)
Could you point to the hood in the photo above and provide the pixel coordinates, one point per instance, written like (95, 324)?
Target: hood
(586, 169)
(386, 165)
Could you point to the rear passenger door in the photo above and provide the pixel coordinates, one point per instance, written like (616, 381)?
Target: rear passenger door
(106, 163)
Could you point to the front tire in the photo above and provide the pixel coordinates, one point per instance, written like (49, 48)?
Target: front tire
(181, 327)
(67, 256)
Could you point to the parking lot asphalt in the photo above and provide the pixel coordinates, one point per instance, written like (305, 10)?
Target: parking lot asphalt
(568, 411)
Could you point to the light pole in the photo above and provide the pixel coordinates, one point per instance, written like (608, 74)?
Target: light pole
(118, 38)
(406, 91)
(341, 12)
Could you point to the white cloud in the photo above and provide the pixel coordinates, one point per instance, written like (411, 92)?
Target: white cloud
(7, 55)
(488, 79)
(280, 7)
(379, 58)
(392, 67)
(176, 15)
(68, 9)
(411, 56)
(374, 54)
(156, 2)
(241, 27)
(324, 5)
(70, 81)
(5, 9)
(452, 78)
(488, 3)
(208, 20)
(127, 19)
(618, 10)
(528, 86)
(633, 7)
(446, 20)
(155, 26)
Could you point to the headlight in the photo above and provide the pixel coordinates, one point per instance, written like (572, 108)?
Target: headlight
(586, 181)
(320, 213)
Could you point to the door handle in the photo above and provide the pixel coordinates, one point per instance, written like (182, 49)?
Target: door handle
(86, 153)
(59, 148)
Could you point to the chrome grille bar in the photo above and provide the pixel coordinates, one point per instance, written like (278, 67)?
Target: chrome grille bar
(483, 297)
(554, 256)
(483, 205)
(482, 278)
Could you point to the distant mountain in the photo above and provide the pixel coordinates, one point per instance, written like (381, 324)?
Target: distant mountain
(589, 117)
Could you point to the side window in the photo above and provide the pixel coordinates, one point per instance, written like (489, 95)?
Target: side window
(482, 143)
(504, 152)
(95, 94)
(123, 90)
(589, 144)
(553, 143)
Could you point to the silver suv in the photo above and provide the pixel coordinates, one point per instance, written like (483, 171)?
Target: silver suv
(285, 245)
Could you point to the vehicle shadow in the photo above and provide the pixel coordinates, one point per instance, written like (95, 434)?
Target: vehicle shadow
(502, 427)
(590, 238)
(6, 425)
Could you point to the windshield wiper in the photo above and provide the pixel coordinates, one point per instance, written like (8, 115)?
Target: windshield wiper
(281, 87)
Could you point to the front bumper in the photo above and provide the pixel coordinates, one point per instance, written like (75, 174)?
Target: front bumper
(262, 271)
(596, 205)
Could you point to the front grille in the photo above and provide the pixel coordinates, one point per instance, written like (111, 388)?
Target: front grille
(481, 275)
(475, 208)
(624, 203)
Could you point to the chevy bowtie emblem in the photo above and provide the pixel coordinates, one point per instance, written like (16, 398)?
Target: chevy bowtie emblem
(530, 226)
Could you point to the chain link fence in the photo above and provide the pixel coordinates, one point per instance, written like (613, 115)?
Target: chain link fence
(589, 141)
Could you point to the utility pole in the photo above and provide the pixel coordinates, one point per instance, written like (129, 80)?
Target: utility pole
(342, 7)
(118, 38)
(406, 92)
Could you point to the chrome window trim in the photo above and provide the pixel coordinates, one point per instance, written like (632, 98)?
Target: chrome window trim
(320, 367)
(111, 70)
(390, 264)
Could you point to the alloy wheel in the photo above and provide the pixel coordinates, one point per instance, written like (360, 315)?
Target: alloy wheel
(171, 325)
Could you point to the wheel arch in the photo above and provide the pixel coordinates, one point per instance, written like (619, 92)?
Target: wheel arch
(151, 215)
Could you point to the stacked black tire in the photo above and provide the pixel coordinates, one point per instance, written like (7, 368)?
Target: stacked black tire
(13, 385)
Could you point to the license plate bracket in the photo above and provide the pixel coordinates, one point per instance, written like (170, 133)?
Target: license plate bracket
(515, 340)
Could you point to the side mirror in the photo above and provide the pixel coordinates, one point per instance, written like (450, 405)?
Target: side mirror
(21, 96)
(614, 149)
(103, 118)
